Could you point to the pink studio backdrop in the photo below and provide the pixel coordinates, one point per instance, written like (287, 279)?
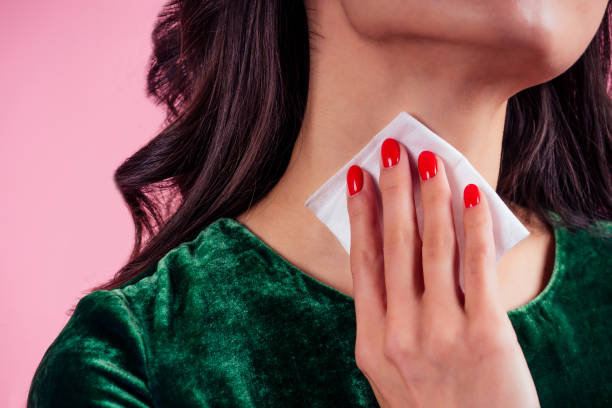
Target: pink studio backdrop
(73, 107)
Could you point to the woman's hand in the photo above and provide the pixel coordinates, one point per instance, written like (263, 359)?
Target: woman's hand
(420, 341)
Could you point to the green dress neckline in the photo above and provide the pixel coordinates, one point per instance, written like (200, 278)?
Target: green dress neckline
(538, 299)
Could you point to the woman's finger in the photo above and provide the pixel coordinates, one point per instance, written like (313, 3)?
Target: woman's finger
(439, 252)
(480, 272)
(401, 242)
(366, 254)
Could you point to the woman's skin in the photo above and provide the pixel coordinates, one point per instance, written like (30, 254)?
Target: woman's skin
(420, 343)
(451, 64)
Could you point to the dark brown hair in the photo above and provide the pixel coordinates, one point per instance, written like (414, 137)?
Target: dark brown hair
(234, 78)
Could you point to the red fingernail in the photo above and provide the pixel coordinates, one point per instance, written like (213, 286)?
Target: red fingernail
(390, 152)
(427, 165)
(471, 196)
(354, 179)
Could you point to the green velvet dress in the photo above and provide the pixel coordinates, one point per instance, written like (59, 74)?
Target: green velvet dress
(225, 321)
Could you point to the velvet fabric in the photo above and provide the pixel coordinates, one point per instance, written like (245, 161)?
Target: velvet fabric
(225, 321)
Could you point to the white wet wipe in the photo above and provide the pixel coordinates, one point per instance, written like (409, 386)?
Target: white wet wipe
(329, 203)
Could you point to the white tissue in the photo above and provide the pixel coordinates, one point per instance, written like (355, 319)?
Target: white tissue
(329, 204)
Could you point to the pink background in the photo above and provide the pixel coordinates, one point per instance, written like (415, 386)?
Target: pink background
(73, 107)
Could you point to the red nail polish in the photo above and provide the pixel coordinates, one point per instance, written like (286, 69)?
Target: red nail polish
(390, 152)
(471, 195)
(428, 166)
(354, 179)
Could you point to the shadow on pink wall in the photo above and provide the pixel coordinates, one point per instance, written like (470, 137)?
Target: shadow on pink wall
(73, 107)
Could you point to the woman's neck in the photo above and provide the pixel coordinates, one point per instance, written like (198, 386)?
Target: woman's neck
(356, 87)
